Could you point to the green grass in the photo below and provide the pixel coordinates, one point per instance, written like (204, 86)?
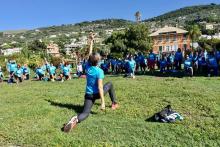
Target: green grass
(32, 113)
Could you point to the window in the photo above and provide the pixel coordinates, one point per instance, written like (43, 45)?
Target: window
(167, 48)
(184, 37)
(160, 38)
(167, 38)
(174, 38)
(175, 47)
(171, 48)
(160, 48)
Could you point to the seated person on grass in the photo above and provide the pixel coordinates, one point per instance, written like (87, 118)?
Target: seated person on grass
(52, 72)
(12, 69)
(94, 90)
(18, 74)
(65, 72)
(40, 73)
(26, 72)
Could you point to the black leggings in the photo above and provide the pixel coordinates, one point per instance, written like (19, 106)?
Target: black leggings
(90, 100)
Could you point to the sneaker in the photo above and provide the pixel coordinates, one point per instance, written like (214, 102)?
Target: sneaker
(114, 106)
(70, 125)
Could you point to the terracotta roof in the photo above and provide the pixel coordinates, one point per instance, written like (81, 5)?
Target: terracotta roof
(169, 30)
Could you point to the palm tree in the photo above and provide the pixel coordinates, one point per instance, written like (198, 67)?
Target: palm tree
(194, 33)
(138, 16)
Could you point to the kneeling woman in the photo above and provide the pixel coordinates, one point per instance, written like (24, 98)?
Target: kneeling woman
(94, 90)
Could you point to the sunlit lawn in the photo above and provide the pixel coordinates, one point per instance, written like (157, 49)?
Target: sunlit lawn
(32, 113)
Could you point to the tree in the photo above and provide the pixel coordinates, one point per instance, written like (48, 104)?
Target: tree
(116, 42)
(37, 46)
(137, 37)
(194, 32)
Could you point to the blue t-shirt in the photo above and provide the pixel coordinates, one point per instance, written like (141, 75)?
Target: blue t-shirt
(19, 72)
(218, 55)
(152, 57)
(140, 59)
(113, 62)
(163, 63)
(178, 56)
(26, 70)
(40, 71)
(94, 73)
(66, 70)
(212, 61)
(188, 63)
(52, 70)
(13, 67)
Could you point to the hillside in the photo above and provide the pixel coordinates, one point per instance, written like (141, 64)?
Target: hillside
(208, 13)
(72, 30)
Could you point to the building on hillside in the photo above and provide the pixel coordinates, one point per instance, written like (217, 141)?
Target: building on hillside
(10, 51)
(53, 50)
(169, 39)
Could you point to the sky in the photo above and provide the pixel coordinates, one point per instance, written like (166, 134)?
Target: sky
(30, 14)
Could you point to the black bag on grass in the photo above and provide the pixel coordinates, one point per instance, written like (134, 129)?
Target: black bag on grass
(167, 115)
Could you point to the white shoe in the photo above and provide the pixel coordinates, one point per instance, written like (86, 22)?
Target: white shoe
(71, 124)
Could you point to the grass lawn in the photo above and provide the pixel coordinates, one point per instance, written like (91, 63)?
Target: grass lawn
(32, 113)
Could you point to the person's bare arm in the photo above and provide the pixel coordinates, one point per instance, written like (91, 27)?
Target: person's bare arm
(101, 92)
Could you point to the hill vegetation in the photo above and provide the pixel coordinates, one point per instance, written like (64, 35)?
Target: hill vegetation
(208, 13)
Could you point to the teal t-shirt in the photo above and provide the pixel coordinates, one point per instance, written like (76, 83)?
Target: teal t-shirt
(132, 65)
(13, 67)
(40, 71)
(94, 73)
(66, 70)
(19, 72)
(52, 70)
(26, 70)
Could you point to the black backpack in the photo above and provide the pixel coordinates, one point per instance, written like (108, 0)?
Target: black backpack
(167, 115)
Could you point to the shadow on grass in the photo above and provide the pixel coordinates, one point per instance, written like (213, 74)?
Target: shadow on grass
(76, 108)
(151, 119)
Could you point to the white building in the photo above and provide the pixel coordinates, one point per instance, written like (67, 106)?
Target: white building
(10, 51)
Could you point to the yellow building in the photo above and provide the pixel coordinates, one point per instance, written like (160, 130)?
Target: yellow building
(169, 39)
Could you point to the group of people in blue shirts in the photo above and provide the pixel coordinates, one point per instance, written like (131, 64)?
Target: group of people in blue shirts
(200, 62)
(48, 72)
(17, 72)
(45, 72)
